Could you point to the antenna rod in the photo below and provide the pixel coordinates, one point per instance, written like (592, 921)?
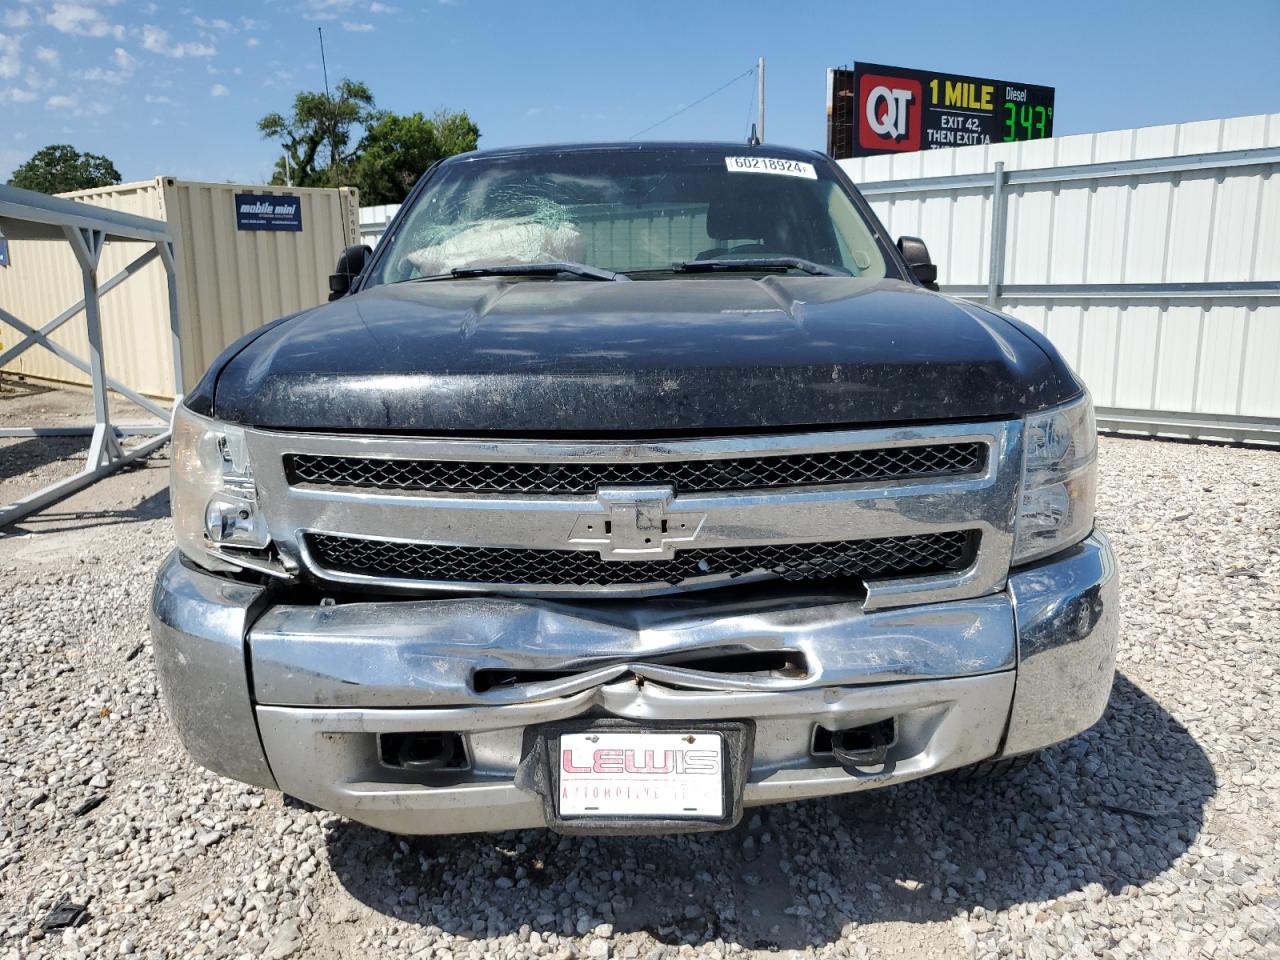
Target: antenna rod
(760, 99)
(333, 108)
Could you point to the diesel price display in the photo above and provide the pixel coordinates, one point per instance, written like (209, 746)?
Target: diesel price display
(874, 109)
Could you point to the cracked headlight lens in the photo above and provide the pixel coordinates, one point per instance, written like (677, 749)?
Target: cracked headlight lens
(211, 489)
(1059, 480)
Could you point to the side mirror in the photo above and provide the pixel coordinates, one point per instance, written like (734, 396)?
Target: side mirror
(917, 256)
(350, 264)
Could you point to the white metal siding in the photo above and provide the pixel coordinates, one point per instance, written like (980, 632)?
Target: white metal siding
(374, 220)
(1210, 356)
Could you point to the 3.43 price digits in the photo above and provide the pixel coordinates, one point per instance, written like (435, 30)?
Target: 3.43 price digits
(1024, 121)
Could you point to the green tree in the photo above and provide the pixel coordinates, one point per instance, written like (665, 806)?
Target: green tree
(318, 137)
(61, 167)
(396, 150)
(456, 132)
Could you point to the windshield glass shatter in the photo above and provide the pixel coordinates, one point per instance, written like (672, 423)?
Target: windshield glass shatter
(629, 211)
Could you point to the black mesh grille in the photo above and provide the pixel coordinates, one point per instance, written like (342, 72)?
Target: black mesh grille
(883, 557)
(688, 476)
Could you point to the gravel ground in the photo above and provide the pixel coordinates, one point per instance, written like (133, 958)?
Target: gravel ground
(26, 465)
(1155, 834)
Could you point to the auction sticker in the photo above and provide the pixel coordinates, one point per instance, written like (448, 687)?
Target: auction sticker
(786, 168)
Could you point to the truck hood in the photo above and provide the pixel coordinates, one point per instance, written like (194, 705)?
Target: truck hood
(699, 354)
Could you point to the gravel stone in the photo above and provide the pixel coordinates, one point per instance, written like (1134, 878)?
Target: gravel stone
(1154, 834)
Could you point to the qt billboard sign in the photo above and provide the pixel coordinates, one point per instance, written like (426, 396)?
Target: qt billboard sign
(874, 109)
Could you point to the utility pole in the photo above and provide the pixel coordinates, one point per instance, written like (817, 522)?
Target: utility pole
(760, 99)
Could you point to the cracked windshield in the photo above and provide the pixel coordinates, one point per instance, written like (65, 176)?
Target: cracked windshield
(646, 214)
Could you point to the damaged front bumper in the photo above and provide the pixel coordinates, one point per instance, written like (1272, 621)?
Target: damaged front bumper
(303, 698)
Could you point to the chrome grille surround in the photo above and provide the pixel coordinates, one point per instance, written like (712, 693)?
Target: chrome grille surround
(981, 503)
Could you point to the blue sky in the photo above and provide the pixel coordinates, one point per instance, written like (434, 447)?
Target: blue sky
(173, 89)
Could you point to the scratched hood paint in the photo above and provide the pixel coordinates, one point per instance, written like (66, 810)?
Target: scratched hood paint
(646, 357)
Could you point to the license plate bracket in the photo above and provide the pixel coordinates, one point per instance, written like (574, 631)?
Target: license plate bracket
(540, 772)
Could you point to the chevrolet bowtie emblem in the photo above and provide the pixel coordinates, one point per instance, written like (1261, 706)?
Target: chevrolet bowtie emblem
(636, 523)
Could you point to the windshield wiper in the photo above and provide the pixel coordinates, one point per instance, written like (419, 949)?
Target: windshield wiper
(757, 264)
(550, 268)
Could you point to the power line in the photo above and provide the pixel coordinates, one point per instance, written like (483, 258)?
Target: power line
(745, 73)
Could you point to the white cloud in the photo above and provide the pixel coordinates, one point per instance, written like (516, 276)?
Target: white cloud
(153, 98)
(36, 80)
(61, 102)
(124, 65)
(47, 55)
(377, 7)
(10, 55)
(81, 21)
(218, 90)
(252, 42)
(220, 25)
(330, 9)
(16, 19)
(156, 40)
(356, 27)
(18, 95)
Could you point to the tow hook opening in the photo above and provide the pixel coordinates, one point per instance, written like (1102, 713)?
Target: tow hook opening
(857, 747)
(423, 752)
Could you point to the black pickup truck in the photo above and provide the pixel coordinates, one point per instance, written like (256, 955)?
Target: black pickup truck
(621, 488)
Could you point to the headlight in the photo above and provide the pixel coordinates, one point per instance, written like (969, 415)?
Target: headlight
(1059, 477)
(213, 497)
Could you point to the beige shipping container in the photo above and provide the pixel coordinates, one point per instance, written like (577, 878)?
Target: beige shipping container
(230, 281)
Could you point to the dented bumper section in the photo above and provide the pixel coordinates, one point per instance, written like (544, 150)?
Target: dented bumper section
(331, 686)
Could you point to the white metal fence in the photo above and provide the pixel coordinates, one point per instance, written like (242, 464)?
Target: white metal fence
(374, 220)
(1150, 257)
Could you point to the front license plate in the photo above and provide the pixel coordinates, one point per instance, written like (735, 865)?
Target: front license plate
(658, 775)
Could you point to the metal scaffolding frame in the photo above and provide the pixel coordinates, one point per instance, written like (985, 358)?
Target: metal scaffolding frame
(27, 215)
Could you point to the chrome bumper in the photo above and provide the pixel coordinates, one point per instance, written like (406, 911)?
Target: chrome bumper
(966, 680)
